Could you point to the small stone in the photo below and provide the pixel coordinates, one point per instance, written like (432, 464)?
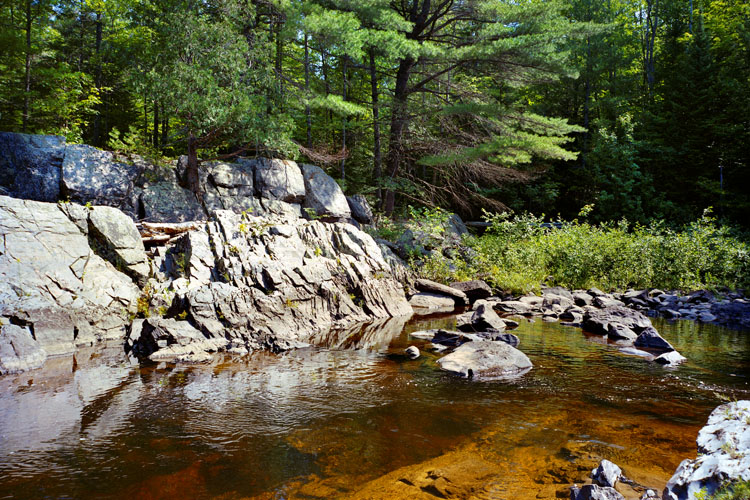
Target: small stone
(412, 352)
(671, 358)
(607, 474)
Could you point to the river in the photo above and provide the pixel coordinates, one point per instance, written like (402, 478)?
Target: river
(355, 417)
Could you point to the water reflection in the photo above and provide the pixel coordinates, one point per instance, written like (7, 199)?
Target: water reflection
(324, 421)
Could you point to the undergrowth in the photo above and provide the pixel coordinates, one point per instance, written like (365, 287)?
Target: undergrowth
(733, 491)
(519, 253)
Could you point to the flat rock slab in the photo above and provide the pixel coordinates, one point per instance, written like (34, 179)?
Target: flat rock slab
(486, 360)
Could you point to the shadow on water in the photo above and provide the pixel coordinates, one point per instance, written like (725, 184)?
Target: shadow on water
(324, 421)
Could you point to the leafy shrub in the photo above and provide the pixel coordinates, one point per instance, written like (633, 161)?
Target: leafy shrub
(519, 253)
(734, 491)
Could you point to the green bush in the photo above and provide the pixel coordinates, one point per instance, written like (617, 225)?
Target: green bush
(733, 491)
(518, 254)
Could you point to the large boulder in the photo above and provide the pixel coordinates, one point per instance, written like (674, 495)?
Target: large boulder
(485, 319)
(360, 209)
(51, 280)
(598, 321)
(649, 338)
(230, 186)
(723, 454)
(90, 175)
(119, 242)
(324, 195)
(486, 360)
(167, 201)
(279, 180)
(474, 289)
(30, 165)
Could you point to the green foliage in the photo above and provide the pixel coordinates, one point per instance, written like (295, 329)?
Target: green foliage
(739, 490)
(520, 253)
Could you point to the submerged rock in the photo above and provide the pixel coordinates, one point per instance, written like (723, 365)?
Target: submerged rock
(723, 454)
(486, 360)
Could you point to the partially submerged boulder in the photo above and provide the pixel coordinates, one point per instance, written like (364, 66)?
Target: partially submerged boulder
(18, 350)
(723, 454)
(606, 474)
(486, 360)
(598, 321)
(162, 339)
(595, 492)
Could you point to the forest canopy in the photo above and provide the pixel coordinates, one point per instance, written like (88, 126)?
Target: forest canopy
(639, 107)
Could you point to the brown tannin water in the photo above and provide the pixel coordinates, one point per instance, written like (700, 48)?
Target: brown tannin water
(358, 418)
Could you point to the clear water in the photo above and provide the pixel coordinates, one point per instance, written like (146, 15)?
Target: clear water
(322, 422)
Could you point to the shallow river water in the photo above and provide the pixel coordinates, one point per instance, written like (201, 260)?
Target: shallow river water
(329, 421)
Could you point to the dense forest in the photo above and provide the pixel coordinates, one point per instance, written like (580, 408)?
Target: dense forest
(640, 108)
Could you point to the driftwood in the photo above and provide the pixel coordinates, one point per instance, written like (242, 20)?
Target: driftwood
(162, 233)
(171, 227)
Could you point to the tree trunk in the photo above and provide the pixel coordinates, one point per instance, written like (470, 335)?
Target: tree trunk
(193, 179)
(279, 60)
(377, 169)
(308, 115)
(27, 78)
(98, 78)
(324, 57)
(344, 119)
(156, 124)
(164, 128)
(399, 119)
